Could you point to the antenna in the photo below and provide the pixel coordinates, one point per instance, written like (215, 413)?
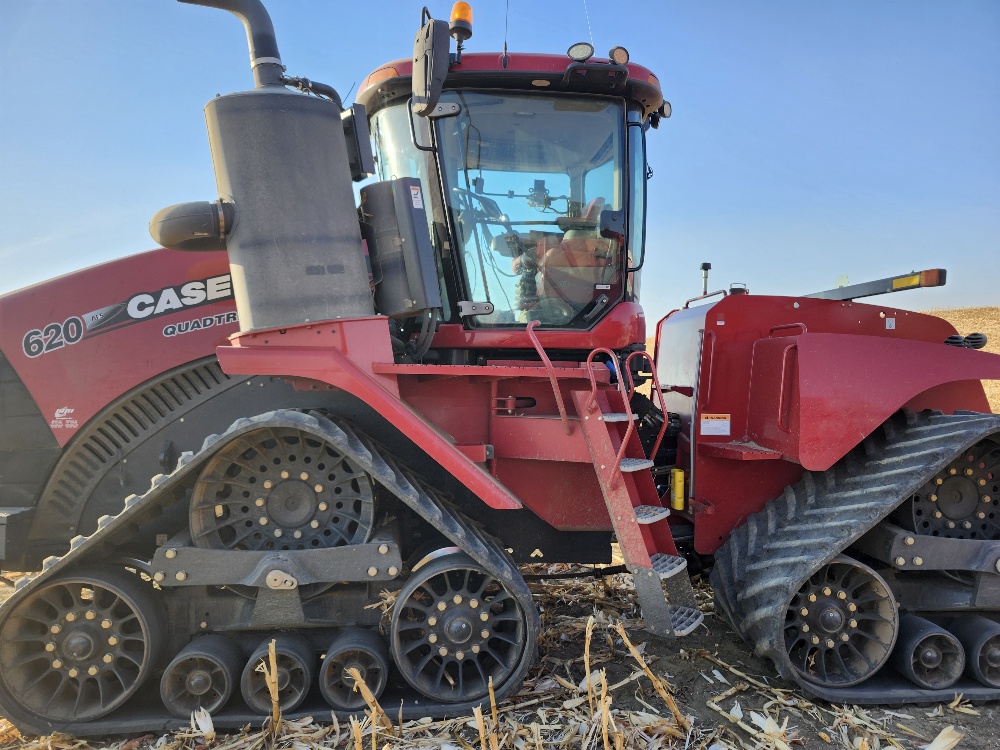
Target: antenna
(506, 15)
(587, 14)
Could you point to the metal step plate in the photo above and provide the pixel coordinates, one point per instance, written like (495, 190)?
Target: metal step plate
(668, 565)
(684, 620)
(616, 417)
(647, 514)
(635, 464)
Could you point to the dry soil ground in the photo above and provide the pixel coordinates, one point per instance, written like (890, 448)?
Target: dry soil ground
(720, 695)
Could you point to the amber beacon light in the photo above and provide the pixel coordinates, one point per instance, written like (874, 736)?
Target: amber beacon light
(461, 22)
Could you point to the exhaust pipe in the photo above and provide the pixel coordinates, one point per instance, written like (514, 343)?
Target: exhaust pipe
(264, 58)
(981, 638)
(926, 654)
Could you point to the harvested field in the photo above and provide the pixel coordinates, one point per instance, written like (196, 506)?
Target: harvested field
(979, 320)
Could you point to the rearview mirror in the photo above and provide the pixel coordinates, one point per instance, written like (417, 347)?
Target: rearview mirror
(431, 58)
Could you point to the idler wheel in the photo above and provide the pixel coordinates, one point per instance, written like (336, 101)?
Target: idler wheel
(980, 637)
(927, 655)
(202, 675)
(363, 650)
(296, 662)
(281, 488)
(77, 648)
(841, 625)
(962, 501)
(453, 628)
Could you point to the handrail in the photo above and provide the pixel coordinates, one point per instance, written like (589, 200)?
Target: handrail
(592, 403)
(552, 375)
(656, 386)
(723, 292)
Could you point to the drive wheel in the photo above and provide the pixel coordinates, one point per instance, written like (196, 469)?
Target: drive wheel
(280, 488)
(963, 500)
(454, 627)
(77, 648)
(841, 625)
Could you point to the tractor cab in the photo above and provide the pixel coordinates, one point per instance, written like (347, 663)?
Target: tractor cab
(532, 169)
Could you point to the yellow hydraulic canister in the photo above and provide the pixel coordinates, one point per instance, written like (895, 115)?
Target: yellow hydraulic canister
(677, 489)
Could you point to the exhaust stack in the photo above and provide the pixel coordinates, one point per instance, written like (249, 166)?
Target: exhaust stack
(264, 58)
(286, 214)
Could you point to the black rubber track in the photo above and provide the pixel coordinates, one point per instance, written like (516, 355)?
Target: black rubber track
(766, 560)
(141, 714)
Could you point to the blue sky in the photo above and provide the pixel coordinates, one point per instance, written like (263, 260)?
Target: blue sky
(809, 139)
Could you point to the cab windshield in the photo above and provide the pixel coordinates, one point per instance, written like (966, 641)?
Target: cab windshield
(530, 181)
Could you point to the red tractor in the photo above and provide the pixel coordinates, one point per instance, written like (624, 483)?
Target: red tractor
(307, 400)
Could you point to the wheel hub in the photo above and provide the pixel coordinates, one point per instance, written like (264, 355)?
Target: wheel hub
(79, 645)
(930, 656)
(291, 503)
(992, 654)
(458, 628)
(958, 497)
(832, 619)
(198, 682)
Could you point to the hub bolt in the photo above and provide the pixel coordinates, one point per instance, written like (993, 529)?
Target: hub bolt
(852, 607)
(953, 471)
(966, 524)
(950, 524)
(279, 533)
(268, 484)
(373, 571)
(285, 475)
(158, 576)
(815, 640)
(908, 541)
(968, 472)
(50, 647)
(473, 603)
(918, 561)
(459, 655)
(982, 482)
(56, 664)
(442, 606)
(484, 616)
(55, 629)
(457, 599)
(297, 534)
(841, 594)
(181, 575)
(393, 570)
(259, 502)
(933, 498)
(171, 554)
(322, 506)
(827, 591)
(108, 658)
(939, 481)
(980, 515)
(845, 637)
(383, 549)
(70, 617)
(432, 621)
(314, 524)
(304, 476)
(987, 499)
(812, 597)
(853, 623)
(318, 488)
(432, 638)
(805, 628)
(900, 561)
(475, 649)
(937, 514)
(73, 672)
(92, 671)
(443, 651)
(90, 614)
(804, 612)
(113, 641)
(484, 633)
(830, 643)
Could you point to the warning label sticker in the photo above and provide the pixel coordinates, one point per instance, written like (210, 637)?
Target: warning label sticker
(715, 424)
(416, 196)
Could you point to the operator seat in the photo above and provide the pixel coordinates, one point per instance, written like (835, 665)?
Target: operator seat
(572, 269)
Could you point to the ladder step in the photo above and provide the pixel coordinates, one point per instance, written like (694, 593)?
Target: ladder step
(635, 464)
(616, 417)
(647, 514)
(668, 565)
(684, 619)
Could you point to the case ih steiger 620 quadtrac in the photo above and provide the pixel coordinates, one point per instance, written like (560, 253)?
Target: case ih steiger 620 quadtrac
(305, 402)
